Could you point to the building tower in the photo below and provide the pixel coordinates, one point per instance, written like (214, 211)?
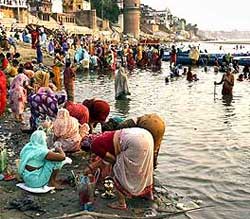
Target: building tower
(132, 17)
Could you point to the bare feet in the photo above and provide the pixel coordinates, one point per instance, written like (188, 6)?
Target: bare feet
(118, 206)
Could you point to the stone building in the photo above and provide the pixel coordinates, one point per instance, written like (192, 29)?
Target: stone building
(70, 6)
(41, 8)
(13, 9)
(132, 14)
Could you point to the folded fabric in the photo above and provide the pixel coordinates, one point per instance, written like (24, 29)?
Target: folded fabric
(43, 189)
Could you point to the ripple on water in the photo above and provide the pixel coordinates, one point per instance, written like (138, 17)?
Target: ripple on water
(205, 151)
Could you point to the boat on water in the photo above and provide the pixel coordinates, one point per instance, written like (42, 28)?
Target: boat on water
(209, 59)
(243, 60)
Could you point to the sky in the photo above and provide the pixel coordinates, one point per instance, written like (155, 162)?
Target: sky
(209, 14)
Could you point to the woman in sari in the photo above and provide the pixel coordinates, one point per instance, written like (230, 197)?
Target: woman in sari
(43, 104)
(3, 92)
(68, 131)
(18, 93)
(57, 72)
(130, 61)
(34, 38)
(98, 111)
(41, 79)
(139, 53)
(38, 165)
(69, 81)
(78, 111)
(152, 122)
(156, 61)
(130, 151)
(121, 84)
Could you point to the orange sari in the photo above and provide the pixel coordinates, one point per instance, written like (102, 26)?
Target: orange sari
(57, 77)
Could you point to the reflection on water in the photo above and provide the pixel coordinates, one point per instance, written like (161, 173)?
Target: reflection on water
(205, 152)
(122, 107)
(227, 100)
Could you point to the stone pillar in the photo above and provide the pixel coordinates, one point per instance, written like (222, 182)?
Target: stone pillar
(93, 19)
(132, 15)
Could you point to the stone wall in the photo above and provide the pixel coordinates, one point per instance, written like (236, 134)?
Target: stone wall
(103, 24)
(64, 18)
(86, 18)
(152, 27)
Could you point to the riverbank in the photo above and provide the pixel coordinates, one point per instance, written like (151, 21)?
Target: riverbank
(66, 202)
(59, 203)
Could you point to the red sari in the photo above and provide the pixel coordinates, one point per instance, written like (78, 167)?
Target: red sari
(34, 38)
(98, 110)
(3, 92)
(130, 62)
(78, 111)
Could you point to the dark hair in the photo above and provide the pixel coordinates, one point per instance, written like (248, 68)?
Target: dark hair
(20, 69)
(15, 62)
(8, 55)
(68, 63)
(17, 55)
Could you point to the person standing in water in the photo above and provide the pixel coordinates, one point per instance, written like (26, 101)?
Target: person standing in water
(173, 56)
(228, 83)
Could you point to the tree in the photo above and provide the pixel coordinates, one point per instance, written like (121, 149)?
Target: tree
(106, 9)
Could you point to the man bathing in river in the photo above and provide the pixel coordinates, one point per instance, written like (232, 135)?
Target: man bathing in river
(228, 83)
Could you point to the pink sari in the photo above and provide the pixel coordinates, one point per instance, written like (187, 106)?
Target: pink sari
(18, 93)
(133, 170)
(67, 130)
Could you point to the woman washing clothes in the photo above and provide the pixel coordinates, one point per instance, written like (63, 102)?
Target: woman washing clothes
(44, 103)
(130, 151)
(41, 79)
(68, 132)
(38, 165)
(78, 111)
(151, 122)
(98, 111)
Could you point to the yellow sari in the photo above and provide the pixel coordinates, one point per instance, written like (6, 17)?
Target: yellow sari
(57, 77)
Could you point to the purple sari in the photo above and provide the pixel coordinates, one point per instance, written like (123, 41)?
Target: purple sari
(43, 104)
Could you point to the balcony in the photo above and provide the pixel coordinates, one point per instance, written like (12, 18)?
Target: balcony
(13, 3)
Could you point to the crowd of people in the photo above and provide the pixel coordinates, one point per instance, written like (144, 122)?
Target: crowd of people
(125, 149)
(129, 149)
(90, 52)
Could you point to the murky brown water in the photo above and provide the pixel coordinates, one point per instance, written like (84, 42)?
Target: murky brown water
(205, 153)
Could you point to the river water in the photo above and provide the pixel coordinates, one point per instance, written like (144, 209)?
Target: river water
(205, 153)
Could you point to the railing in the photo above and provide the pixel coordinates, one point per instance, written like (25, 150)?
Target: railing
(13, 3)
